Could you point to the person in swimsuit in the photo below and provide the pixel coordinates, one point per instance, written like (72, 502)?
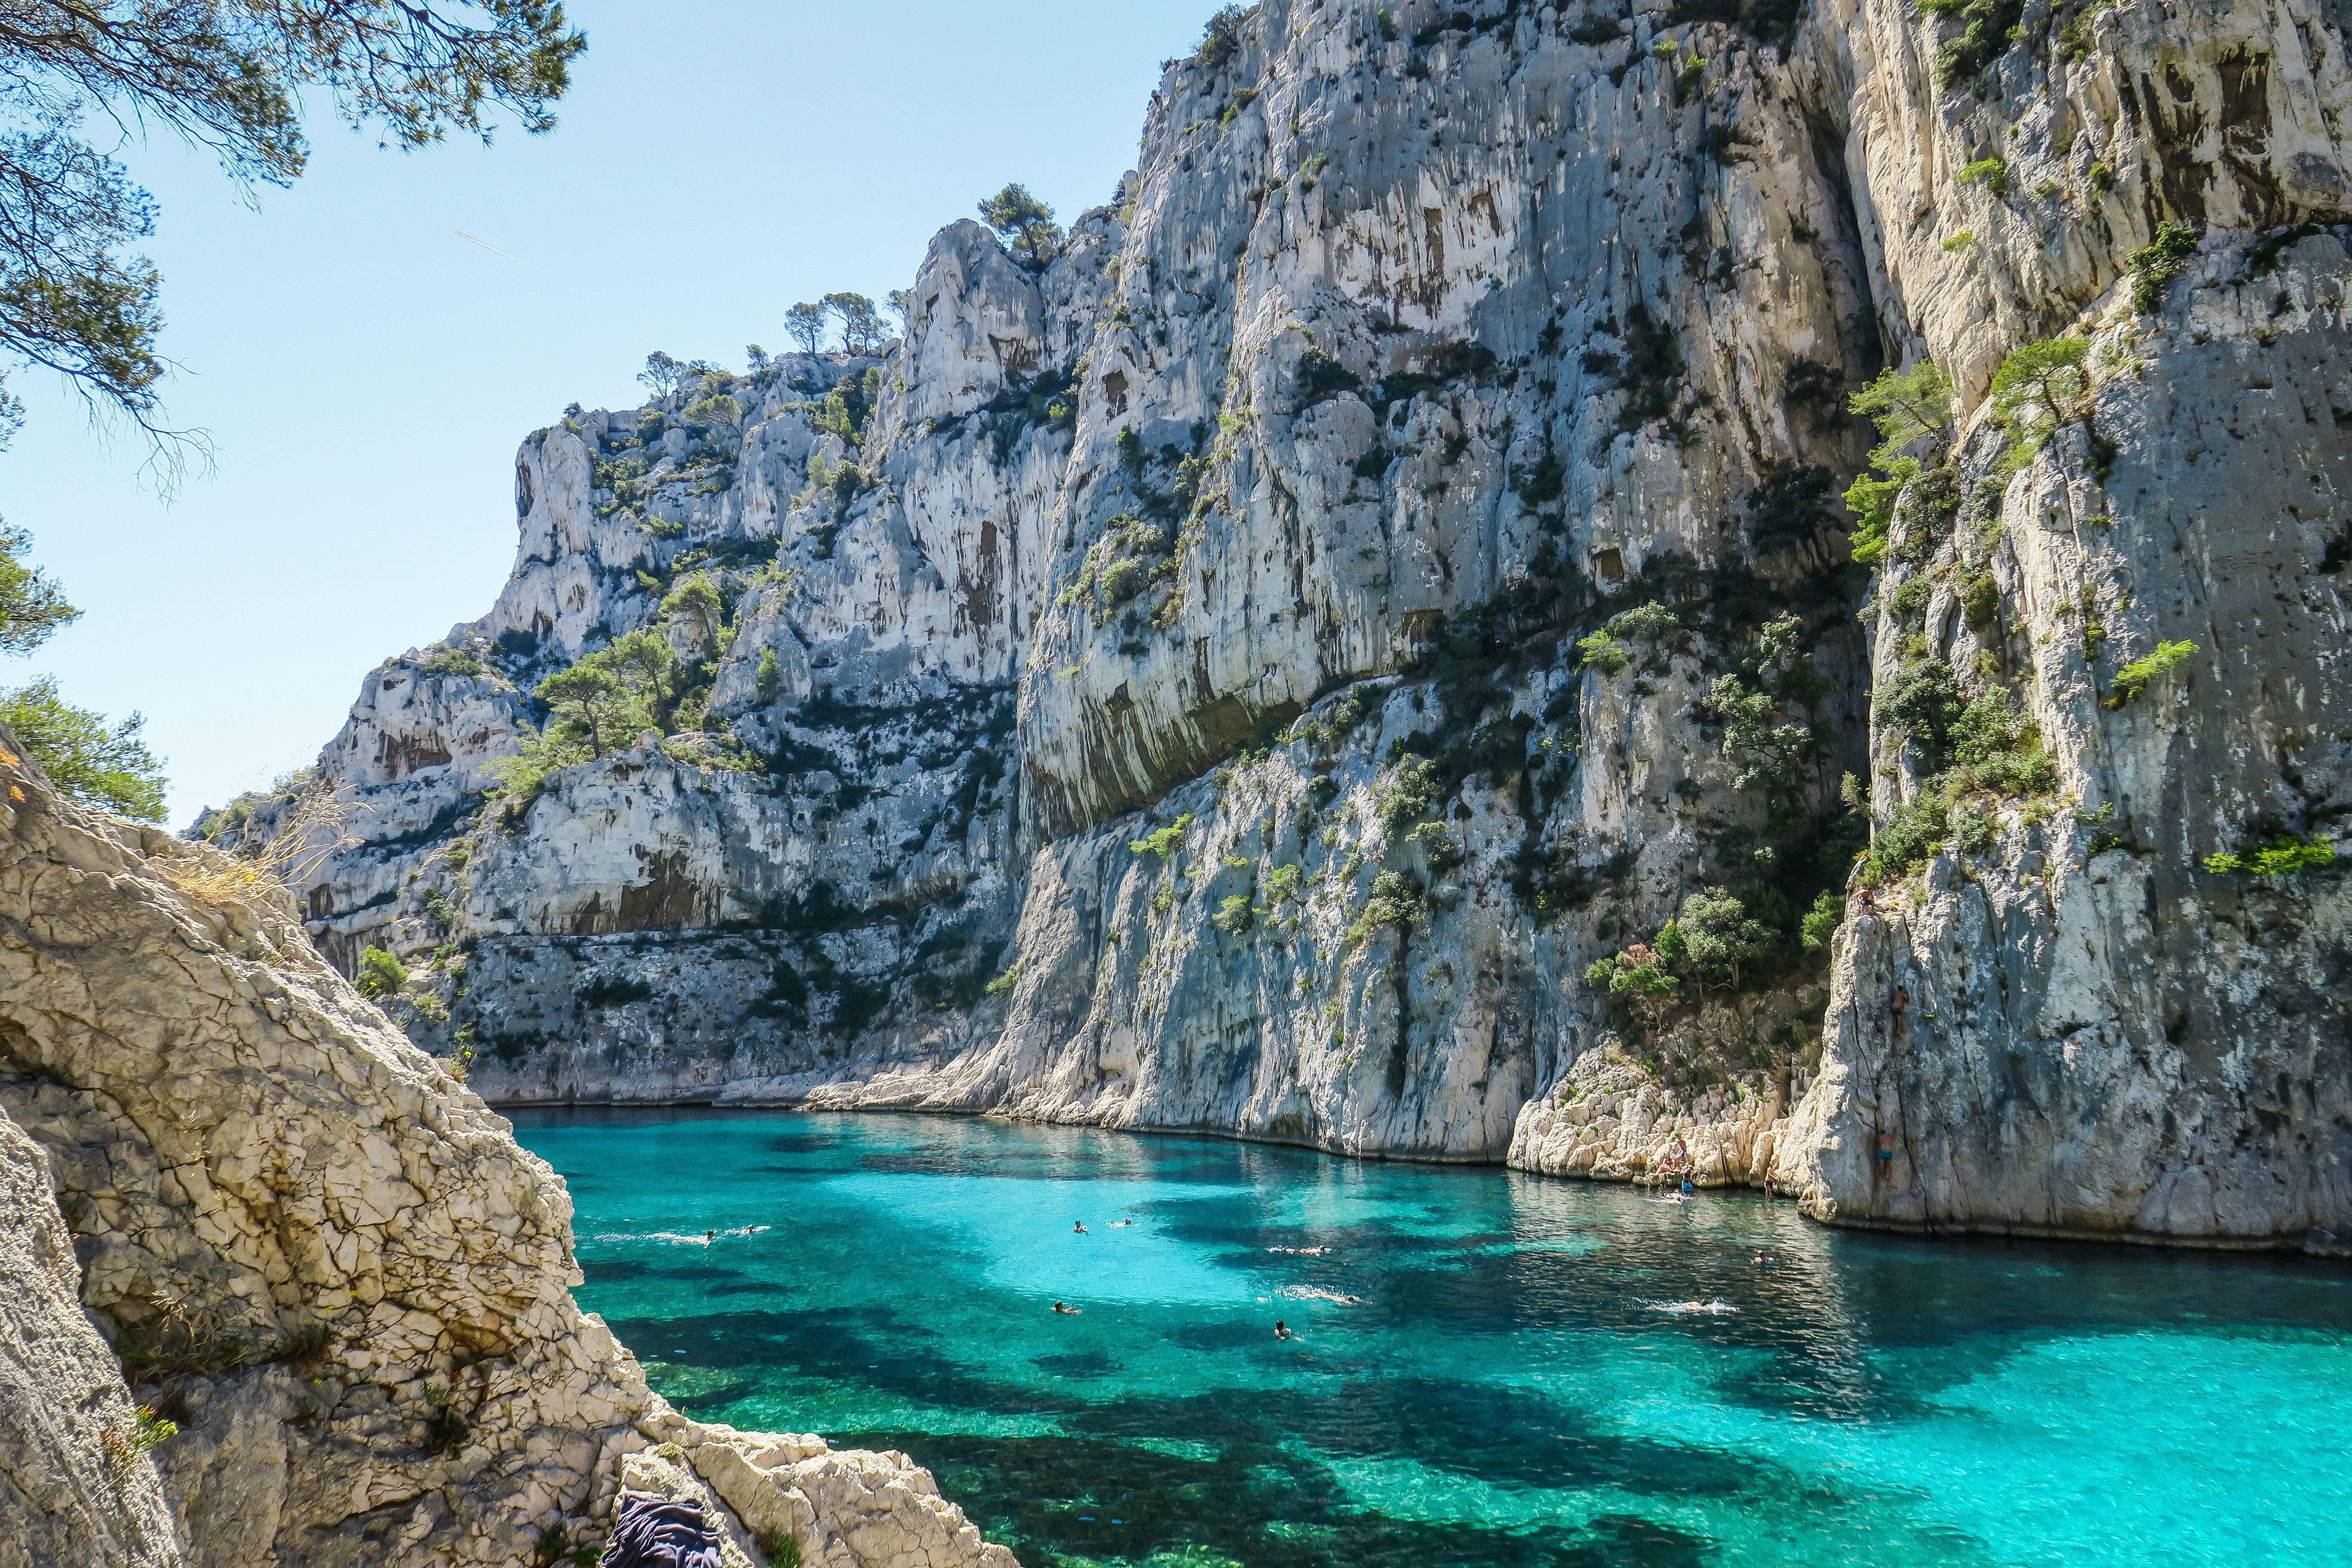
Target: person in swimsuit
(1282, 1332)
(1068, 1311)
(709, 1237)
(1079, 1225)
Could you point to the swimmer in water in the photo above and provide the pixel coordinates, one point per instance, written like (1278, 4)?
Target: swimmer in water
(1068, 1311)
(1079, 1225)
(1282, 1332)
(709, 1237)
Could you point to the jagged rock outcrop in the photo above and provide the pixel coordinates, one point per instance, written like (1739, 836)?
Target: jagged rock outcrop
(75, 1485)
(318, 1254)
(1243, 672)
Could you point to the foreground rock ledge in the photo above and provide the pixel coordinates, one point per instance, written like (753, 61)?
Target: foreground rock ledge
(234, 1147)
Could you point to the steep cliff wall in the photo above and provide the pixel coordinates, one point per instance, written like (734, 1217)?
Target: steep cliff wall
(1245, 672)
(327, 1263)
(2068, 1023)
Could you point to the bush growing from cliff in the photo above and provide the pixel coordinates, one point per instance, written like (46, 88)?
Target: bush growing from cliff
(1790, 509)
(1986, 37)
(100, 765)
(1604, 653)
(1234, 916)
(1320, 376)
(1922, 700)
(2039, 387)
(1395, 901)
(1002, 986)
(2154, 266)
(1223, 39)
(454, 660)
(1992, 173)
(379, 974)
(1134, 553)
(2142, 673)
(1637, 974)
(1163, 842)
(1915, 831)
(1997, 745)
(1650, 371)
(2282, 856)
(1405, 796)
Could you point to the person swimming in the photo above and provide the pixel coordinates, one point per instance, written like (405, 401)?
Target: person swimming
(1079, 1225)
(709, 1237)
(1282, 1330)
(1068, 1311)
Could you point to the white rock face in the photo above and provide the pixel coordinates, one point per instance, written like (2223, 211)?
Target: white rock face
(74, 1488)
(228, 1149)
(1286, 504)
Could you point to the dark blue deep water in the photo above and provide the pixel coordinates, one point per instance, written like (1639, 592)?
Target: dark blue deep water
(1509, 1381)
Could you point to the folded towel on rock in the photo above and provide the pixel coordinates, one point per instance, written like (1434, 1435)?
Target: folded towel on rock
(661, 1532)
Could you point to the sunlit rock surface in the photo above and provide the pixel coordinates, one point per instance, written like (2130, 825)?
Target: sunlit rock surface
(1422, 345)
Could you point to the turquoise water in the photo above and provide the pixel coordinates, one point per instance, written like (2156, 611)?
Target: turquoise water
(1511, 1385)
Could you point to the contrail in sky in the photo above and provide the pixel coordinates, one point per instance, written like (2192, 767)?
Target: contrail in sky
(493, 250)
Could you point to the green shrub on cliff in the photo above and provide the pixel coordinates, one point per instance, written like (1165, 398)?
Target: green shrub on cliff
(2154, 266)
(379, 974)
(2141, 673)
(1909, 837)
(2039, 387)
(2282, 856)
(1395, 901)
(1165, 841)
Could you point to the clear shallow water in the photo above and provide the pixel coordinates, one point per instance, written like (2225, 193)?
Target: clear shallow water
(1507, 1392)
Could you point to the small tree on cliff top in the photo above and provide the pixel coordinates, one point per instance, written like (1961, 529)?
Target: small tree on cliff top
(804, 324)
(1024, 224)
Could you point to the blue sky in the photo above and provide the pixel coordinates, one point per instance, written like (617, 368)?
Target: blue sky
(364, 375)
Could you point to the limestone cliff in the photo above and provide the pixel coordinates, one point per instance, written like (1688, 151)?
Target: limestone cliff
(1245, 671)
(315, 1254)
